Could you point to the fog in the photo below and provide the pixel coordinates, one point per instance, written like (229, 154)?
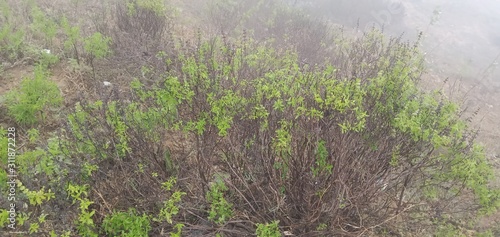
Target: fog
(461, 37)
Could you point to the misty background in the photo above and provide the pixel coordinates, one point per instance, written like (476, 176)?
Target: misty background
(461, 38)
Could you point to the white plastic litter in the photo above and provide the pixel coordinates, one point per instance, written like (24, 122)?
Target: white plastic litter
(107, 83)
(47, 51)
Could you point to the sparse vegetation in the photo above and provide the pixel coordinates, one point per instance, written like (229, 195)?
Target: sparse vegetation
(220, 208)
(268, 125)
(97, 47)
(126, 224)
(268, 230)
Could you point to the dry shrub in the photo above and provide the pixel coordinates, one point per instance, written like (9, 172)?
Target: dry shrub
(139, 30)
(305, 35)
(286, 27)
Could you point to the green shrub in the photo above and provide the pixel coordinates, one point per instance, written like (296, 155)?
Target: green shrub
(343, 134)
(321, 164)
(36, 197)
(96, 46)
(157, 6)
(268, 230)
(85, 223)
(4, 217)
(72, 41)
(11, 42)
(126, 224)
(487, 233)
(28, 104)
(43, 26)
(170, 206)
(220, 209)
(178, 230)
(33, 135)
(47, 59)
(448, 230)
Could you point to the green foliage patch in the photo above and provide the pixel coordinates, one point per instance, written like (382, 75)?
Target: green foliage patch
(268, 230)
(220, 209)
(126, 224)
(28, 104)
